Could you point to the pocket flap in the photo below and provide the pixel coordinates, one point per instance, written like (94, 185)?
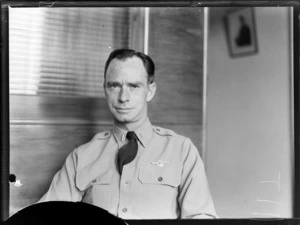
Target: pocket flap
(86, 178)
(105, 178)
(153, 174)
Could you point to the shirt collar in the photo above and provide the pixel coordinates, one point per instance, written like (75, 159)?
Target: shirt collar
(144, 133)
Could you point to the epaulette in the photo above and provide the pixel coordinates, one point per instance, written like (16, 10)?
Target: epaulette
(102, 135)
(163, 131)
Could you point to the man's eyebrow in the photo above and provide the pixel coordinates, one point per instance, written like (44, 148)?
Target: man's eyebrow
(135, 83)
(138, 83)
(112, 82)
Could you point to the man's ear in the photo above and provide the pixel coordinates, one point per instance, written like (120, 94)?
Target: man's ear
(151, 91)
(104, 88)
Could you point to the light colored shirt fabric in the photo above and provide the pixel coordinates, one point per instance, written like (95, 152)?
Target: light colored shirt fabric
(166, 180)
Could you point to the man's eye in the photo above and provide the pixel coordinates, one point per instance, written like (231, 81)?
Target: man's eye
(134, 86)
(113, 86)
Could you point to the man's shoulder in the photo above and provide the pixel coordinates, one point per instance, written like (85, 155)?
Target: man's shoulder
(167, 132)
(102, 135)
(97, 138)
(179, 142)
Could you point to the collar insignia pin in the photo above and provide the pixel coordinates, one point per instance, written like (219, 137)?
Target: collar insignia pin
(123, 138)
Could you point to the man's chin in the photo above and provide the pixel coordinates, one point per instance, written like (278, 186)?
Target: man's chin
(123, 119)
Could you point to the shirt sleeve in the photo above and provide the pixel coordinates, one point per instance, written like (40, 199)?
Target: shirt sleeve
(195, 199)
(63, 187)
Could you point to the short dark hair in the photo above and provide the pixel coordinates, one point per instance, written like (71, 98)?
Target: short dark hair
(123, 54)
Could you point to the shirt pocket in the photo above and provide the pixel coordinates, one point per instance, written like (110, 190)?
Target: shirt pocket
(99, 189)
(169, 174)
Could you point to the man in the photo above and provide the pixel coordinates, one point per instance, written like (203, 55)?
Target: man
(135, 170)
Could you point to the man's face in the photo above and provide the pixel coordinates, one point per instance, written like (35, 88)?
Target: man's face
(127, 91)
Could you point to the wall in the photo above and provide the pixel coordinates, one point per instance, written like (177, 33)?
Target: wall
(249, 154)
(176, 46)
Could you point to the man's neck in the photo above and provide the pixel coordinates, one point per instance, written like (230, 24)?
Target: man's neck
(131, 126)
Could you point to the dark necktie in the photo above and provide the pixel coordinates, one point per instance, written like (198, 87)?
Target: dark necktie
(127, 152)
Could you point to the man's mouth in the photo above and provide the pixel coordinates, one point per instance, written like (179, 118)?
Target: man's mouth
(122, 110)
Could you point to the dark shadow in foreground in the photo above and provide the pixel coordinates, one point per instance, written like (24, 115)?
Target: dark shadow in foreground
(60, 212)
(63, 213)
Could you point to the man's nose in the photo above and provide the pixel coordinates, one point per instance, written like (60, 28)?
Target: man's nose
(124, 95)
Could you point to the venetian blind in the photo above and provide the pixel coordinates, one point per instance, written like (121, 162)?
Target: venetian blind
(62, 51)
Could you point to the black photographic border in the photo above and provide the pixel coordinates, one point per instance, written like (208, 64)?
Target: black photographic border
(5, 131)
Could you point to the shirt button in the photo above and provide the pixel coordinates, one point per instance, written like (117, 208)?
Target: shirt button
(124, 210)
(160, 179)
(106, 134)
(126, 182)
(94, 181)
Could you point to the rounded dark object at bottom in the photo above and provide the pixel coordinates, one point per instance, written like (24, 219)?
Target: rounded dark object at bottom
(61, 212)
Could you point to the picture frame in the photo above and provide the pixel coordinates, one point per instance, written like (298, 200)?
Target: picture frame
(241, 33)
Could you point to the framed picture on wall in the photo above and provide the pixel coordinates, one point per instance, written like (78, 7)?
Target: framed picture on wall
(241, 32)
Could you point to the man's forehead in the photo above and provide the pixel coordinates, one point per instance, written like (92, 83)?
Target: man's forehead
(132, 62)
(131, 70)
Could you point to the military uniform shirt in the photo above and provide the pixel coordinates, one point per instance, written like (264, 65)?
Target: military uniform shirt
(166, 180)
